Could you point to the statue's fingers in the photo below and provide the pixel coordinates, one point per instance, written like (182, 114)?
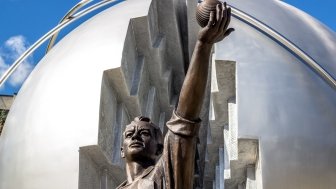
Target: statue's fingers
(228, 19)
(219, 15)
(211, 19)
(225, 6)
(222, 24)
(229, 31)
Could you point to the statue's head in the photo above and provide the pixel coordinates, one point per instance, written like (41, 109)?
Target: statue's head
(142, 141)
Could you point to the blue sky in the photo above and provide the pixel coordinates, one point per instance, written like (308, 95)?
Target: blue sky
(22, 22)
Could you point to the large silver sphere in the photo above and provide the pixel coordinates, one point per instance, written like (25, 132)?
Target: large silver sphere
(280, 101)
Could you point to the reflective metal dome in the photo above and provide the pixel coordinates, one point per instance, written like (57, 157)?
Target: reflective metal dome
(280, 101)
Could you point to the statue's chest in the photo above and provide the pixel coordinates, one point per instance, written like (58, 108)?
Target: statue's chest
(142, 184)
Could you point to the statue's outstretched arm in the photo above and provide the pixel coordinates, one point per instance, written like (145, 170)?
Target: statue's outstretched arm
(193, 88)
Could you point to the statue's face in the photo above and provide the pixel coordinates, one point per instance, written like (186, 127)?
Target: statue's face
(139, 143)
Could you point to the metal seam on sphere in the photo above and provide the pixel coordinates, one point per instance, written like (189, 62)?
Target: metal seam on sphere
(68, 15)
(51, 32)
(286, 43)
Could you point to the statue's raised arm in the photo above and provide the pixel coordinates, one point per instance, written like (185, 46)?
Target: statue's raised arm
(142, 140)
(180, 141)
(193, 89)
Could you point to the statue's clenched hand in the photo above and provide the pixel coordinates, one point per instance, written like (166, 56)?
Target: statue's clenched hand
(194, 85)
(217, 28)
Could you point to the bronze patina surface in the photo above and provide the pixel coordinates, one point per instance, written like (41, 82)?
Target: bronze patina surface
(154, 163)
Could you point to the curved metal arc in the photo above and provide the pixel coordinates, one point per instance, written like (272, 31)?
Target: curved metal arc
(245, 17)
(288, 44)
(68, 15)
(46, 36)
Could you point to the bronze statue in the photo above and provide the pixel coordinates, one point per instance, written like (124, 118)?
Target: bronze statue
(143, 142)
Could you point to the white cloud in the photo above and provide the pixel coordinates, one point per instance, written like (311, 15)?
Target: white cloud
(3, 65)
(17, 44)
(9, 52)
(21, 73)
(3, 68)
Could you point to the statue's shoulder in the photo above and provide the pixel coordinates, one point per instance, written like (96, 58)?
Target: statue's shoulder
(157, 173)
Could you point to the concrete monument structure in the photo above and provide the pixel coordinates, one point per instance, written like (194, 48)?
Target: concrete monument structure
(269, 123)
(6, 102)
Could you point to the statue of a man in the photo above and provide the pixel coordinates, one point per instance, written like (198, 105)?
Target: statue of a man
(152, 163)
